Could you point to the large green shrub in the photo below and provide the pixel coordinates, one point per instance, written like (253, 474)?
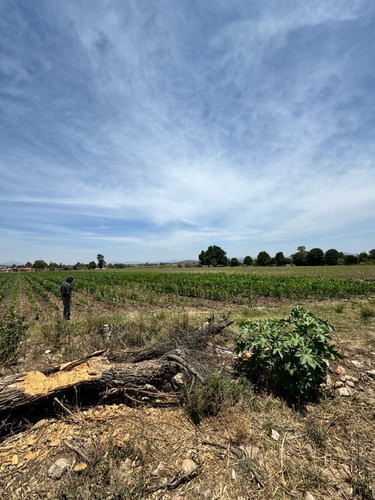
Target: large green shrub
(288, 355)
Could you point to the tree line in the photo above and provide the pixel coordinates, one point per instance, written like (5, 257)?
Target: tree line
(215, 256)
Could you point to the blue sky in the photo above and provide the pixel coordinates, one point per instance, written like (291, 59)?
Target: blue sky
(147, 130)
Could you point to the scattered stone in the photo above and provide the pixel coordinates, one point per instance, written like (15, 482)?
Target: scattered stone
(340, 370)
(188, 465)
(343, 378)
(158, 469)
(349, 383)
(57, 470)
(329, 382)
(48, 351)
(344, 391)
(275, 435)
(308, 496)
(371, 373)
(338, 383)
(357, 364)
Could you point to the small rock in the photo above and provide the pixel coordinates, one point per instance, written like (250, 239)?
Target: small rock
(309, 449)
(349, 383)
(357, 364)
(188, 465)
(344, 391)
(275, 435)
(340, 370)
(158, 469)
(338, 383)
(308, 496)
(329, 381)
(58, 468)
(48, 351)
(371, 373)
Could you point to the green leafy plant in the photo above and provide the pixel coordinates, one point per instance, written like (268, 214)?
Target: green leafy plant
(12, 332)
(287, 355)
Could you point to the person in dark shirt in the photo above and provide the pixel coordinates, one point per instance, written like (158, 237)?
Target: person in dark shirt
(66, 296)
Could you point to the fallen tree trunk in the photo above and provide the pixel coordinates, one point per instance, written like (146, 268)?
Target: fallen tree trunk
(92, 375)
(84, 381)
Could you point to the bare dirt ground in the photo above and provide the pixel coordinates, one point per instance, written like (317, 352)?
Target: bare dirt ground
(327, 450)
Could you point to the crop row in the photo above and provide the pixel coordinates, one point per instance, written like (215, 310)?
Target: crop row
(116, 287)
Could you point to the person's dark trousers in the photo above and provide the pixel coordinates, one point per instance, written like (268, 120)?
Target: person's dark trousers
(66, 303)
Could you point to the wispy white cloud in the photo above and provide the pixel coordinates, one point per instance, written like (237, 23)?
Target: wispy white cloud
(159, 129)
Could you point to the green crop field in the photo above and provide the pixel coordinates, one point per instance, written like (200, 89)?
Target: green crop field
(35, 295)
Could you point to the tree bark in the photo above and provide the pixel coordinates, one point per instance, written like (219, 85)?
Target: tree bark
(26, 394)
(93, 375)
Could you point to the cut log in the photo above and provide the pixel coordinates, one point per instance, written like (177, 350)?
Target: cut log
(93, 375)
(84, 381)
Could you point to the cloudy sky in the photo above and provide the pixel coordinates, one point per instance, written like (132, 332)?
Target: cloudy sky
(147, 130)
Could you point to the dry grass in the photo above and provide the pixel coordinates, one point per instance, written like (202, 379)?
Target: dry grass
(327, 450)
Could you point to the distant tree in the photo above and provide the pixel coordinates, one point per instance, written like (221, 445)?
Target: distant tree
(234, 262)
(101, 261)
(248, 261)
(52, 265)
(363, 257)
(40, 264)
(371, 254)
(213, 256)
(280, 260)
(92, 265)
(350, 260)
(119, 265)
(299, 258)
(28, 264)
(315, 257)
(331, 257)
(263, 259)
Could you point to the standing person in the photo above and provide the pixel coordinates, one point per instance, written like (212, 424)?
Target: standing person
(66, 295)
